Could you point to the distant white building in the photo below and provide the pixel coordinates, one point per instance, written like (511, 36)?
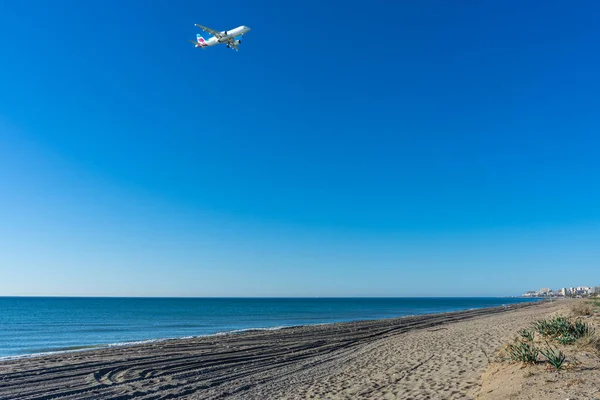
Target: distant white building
(579, 291)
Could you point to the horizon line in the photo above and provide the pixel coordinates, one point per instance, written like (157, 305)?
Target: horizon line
(253, 297)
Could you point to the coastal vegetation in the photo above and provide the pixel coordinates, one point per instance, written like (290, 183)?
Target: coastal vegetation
(563, 329)
(523, 351)
(560, 329)
(556, 356)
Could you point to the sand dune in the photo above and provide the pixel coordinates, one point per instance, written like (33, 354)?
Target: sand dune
(437, 357)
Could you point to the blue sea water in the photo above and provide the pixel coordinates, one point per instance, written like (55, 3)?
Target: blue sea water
(30, 325)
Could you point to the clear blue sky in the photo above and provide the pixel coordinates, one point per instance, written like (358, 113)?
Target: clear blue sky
(348, 149)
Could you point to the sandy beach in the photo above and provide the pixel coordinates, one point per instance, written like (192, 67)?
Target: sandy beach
(439, 356)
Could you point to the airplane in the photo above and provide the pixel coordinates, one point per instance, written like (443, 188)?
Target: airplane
(227, 37)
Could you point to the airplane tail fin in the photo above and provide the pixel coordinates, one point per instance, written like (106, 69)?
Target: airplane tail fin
(200, 39)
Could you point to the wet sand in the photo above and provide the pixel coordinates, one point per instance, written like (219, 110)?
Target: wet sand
(433, 356)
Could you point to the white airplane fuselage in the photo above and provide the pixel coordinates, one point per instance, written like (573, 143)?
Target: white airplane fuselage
(226, 37)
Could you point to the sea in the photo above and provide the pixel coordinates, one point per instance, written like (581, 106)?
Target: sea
(36, 325)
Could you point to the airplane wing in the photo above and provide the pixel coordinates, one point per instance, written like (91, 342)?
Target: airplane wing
(211, 31)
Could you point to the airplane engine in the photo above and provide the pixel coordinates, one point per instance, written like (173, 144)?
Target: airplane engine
(238, 42)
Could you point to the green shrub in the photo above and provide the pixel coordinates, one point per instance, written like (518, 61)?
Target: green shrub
(563, 329)
(555, 357)
(581, 329)
(566, 339)
(553, 327)
(526, 334)
(524, 352)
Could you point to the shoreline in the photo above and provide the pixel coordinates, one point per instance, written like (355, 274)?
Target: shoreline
(250, 364)
(108, 346)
